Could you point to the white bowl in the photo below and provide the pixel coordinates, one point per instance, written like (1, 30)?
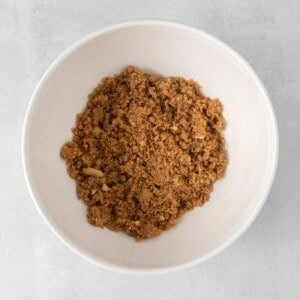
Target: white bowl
(167, 49)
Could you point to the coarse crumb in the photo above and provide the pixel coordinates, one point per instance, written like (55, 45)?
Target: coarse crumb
(145, 150)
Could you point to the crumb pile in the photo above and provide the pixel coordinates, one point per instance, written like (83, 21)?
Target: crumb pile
(145, 150)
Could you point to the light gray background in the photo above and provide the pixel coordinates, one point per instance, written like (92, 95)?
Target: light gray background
(263, 264)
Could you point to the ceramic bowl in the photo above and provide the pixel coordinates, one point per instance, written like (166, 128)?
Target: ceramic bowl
(166, 49)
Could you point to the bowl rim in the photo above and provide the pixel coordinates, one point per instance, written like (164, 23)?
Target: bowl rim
(233, 237)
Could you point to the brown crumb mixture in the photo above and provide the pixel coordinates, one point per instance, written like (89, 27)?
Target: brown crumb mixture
(145, 150)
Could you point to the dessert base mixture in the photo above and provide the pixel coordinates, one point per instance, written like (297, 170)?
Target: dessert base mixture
(145, 150)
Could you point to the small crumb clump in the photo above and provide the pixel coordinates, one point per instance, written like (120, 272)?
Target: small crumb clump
(145, 150)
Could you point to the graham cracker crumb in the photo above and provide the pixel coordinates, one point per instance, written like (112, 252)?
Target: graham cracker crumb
(145, 150)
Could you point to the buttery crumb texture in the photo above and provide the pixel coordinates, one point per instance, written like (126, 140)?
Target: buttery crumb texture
(145, 150)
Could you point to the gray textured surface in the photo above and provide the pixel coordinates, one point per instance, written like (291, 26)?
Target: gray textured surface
(263, 264)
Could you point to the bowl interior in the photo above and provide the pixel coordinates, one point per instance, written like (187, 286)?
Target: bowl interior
(163, 49)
